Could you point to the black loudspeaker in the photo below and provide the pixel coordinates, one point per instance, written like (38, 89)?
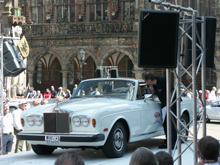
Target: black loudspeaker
(114, 73)
(12, 59)
(210, 43)
(99, 73)
(158, 39)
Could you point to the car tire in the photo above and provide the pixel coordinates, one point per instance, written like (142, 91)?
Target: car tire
(185, 121)
(207, 119)
(115, 146)
(42, 150)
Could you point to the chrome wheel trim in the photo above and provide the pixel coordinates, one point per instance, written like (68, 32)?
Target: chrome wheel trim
(118, 139)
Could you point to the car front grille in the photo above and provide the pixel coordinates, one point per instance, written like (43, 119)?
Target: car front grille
(56, 123)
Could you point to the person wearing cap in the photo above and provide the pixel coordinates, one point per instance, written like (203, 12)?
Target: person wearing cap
(18, 127)
(53, 93)
(143, 88)
(61, 92)
(7, 129)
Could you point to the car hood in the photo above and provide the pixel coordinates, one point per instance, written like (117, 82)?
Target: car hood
(92, 104)
(80, 105)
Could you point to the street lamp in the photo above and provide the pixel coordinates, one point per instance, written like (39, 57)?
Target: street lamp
(81, 55)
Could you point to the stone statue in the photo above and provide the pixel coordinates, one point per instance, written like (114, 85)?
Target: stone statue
(16, 32)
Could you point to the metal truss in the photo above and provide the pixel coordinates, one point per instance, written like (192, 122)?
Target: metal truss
(180, 71)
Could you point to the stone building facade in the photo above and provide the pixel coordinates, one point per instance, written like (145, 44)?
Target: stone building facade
(107, 30)
(10, 16)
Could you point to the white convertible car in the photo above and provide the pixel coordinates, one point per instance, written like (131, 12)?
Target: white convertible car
(104, 113)
(212, 111)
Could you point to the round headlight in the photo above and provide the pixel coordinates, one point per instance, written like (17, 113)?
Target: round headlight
(84, 121)
(30, 120)
(76, 121)
(38, 120)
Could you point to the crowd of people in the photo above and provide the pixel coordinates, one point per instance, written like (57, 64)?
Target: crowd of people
(211, 96)
(208, 153)
(48, 94)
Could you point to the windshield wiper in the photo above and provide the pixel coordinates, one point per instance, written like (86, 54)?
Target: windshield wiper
(74, 97)
(94, 96)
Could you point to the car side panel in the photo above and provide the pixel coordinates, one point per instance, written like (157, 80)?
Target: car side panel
(131, 115)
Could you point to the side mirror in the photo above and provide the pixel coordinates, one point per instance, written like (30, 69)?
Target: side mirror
(147, 97)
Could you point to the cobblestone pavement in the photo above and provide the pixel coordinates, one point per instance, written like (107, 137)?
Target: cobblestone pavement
(212, 129)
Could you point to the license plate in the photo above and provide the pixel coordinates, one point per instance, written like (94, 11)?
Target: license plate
(52, 139)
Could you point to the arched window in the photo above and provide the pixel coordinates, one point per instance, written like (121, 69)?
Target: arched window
(71, 73)
(39, 72)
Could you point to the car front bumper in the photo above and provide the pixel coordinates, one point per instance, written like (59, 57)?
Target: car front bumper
(62, 137)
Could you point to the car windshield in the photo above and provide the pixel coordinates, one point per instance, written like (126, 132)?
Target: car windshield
(122, 89)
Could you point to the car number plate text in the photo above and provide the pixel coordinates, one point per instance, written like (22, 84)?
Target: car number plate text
(52, 139)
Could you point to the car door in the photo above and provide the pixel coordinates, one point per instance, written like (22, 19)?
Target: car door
(150, 116)
(214, 112)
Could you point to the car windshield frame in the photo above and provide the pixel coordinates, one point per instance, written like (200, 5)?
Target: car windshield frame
(112, 88)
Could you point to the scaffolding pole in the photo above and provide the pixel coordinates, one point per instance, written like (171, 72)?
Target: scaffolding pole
(195, 68)
(204, 76)
(178, 108)
(194, 85)
(169, 135)
(1, 81)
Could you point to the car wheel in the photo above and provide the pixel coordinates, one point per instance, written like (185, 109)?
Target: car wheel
(42, 150)
(115, 146)
(185, 121)
(207, 119)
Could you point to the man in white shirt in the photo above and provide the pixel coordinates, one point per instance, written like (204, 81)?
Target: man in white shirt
(7, 130)
(212, 95)
(96, 92)
(18, 127)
